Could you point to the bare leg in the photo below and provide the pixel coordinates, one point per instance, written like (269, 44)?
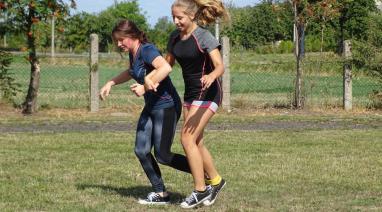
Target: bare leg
(194, 123)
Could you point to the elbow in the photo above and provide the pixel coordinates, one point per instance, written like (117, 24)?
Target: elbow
(222, 69)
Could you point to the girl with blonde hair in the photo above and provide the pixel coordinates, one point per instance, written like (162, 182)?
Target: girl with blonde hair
(197, 52)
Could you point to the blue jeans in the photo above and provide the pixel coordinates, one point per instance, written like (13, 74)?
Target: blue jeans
(156, 128)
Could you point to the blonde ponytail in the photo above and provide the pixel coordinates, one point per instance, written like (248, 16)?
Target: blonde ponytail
(205, 11)
(209, 11)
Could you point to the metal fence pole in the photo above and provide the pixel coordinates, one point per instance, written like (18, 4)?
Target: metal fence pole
(94, 78)
(347, 77)
(226, 75)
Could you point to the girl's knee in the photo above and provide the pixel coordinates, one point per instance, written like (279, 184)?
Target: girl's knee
(188, 141)
(164, 159)
(140, 153)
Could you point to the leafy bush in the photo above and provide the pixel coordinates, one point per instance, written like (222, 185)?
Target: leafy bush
(312, 44)
(286, 47)
(8, 87)
(367, 53)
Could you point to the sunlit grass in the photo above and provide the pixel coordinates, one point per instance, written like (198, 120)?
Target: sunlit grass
(320, 170)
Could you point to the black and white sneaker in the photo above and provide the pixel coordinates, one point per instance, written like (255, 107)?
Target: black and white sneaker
(155, 199)
(215, 190)
(196, 198)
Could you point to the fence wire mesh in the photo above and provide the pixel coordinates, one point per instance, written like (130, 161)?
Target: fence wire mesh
(257, 81)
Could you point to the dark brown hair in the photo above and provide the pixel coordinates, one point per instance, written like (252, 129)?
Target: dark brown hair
(127, 28)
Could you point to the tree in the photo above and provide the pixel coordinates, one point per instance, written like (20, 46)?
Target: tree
(325, 11)
(261, 24)
(161, 32)
(354, 17)
(28, 13)
(108, 18)
(302, 11)
(8, 87)
(77, 31)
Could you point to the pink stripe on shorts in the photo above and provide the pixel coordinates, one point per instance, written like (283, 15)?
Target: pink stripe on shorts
(202, 104)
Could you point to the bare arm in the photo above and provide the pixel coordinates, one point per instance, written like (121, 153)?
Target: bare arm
(121, 78)
(217, 60)
(161, 71)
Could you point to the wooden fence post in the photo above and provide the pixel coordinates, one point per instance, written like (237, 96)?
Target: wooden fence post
(226, 75)
(347, 77)
(94, 78)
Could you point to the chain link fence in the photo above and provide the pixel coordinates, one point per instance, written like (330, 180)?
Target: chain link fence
(263, 81)
(257, 81)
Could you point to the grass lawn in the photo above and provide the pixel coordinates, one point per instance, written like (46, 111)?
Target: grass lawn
(266, 170)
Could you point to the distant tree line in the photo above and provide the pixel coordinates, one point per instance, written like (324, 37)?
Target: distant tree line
(272, 26)
(266, 27)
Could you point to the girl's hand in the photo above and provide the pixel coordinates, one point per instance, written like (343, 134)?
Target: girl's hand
(138, 89)
(150, 85)
(207, 80)
(105, 90)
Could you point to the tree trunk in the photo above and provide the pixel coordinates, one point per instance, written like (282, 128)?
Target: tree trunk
(30, 104)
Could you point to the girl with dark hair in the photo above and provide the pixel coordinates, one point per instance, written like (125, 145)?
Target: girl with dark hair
(157, 122)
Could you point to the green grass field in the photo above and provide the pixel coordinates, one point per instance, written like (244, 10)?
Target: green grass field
(256, 81)
(274, 169)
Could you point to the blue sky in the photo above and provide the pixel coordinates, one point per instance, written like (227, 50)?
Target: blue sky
(154, 8)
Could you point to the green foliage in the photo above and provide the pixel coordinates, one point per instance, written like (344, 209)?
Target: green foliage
(30, 18)
(26, 13)
(8, 87)
(280, 48)
(77, 31)
(161, 32)
(286, 47)
(354, 18)
(261, 24)
(108, 18)
(312, 44)
(368, 58)
(367, 53)
(374, 32)
(327, 23)
(15, 41)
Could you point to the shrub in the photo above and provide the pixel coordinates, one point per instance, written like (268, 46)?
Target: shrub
(8, 87)
(286, 47)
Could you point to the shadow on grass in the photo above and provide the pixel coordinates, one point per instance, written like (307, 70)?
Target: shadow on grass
(133, 192)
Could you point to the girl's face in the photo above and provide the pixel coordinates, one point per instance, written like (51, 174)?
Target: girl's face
(125, 43)
(181, 20)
